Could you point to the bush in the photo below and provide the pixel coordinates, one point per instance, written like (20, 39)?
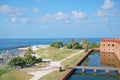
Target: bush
(76, 47)
(57, 44)
(2, 72)
(38, 60)
(17, 61)
(69, 46)
(93, 45)
(28, 60)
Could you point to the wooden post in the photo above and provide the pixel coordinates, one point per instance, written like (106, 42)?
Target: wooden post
(83, 70)
(95, 70)
(107, 71)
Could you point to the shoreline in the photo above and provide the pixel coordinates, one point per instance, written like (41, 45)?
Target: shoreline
(3, 50)
(23, 46)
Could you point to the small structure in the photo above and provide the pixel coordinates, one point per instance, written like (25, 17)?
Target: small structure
(23, 49)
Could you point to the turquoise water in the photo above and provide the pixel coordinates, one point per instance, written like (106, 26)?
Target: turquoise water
(94, 60)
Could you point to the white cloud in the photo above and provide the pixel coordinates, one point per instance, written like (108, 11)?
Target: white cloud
(36, 10)
(47, 17)
(107, 9)
(5, 9)
(61, 16)
(13, 19)
(79, 15)
(108, 4)
(12, 11)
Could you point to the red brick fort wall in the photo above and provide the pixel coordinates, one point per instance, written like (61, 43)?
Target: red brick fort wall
(110, 45)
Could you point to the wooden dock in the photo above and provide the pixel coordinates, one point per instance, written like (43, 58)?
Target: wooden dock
(94, 68)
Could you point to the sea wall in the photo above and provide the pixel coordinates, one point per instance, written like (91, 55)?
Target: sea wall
(69, 73)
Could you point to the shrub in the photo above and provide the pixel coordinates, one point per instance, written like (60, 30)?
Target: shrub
(2, 72)
(17, 61)
(69, 46)
(57, 44)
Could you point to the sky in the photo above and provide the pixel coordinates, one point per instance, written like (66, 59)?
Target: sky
(59, 18)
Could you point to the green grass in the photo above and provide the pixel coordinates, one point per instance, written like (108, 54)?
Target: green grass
(73, 60)
(3, 72)
(15, 75)
(56, 75)
(54, 53)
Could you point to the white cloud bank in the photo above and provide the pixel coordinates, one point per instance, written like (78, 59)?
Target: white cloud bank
(62, 17)
(5, 9)
(79, 15)
(107, 9)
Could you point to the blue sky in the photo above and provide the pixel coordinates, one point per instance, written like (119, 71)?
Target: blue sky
(59, 18)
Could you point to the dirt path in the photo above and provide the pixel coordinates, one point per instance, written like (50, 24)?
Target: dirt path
(54, 65)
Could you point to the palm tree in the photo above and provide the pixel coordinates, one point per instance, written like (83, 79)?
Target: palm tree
(29, 52)
(72, 42)
(84, 43)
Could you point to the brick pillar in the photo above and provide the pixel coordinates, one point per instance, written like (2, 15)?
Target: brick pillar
(107, 71)
(118, 71)
(83, 70)
(95, 70)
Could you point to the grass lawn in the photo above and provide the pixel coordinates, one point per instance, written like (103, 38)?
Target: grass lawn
(54, 53)
(56, 75)
(15, 75)
(73, 60)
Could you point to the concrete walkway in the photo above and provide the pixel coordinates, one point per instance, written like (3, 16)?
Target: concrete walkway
(54, 65)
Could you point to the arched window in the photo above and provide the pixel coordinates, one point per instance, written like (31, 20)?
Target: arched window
(113, 45)
(103, 44)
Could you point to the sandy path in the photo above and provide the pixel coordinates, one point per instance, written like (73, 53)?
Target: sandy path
(54, 65)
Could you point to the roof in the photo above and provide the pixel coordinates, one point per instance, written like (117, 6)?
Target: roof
(110, 40)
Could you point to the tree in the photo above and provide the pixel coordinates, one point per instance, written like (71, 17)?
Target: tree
(84, 41)
(29, 59)
(93, 45)
(84, 44)
(72, 42)
(29, 51)
(17, 61)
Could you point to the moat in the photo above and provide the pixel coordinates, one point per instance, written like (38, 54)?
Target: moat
(99, 60)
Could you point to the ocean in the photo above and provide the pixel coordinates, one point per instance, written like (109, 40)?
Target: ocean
(13, 44)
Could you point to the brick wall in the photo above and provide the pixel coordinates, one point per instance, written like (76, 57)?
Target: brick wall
(110, 45)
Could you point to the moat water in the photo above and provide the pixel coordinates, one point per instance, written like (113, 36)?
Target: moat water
(101, 60)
